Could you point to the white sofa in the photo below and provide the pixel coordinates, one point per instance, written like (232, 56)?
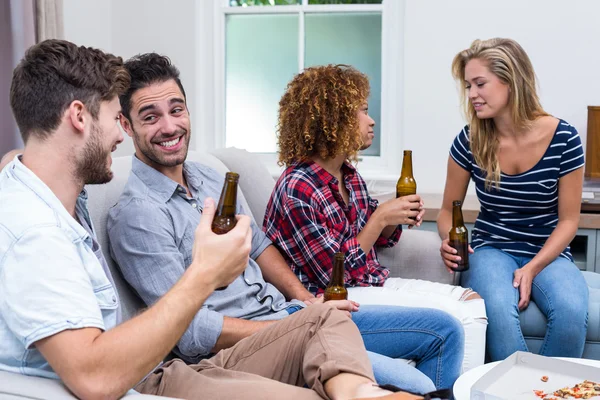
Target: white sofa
(416, 256)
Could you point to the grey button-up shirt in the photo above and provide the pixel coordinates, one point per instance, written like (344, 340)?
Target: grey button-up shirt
(151, 232)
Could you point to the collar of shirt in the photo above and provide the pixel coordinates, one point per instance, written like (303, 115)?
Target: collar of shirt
(162, 186)
(323, 177)
(31, 180)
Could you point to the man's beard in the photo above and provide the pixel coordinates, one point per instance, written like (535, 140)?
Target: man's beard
(158, 158)
(92, 168)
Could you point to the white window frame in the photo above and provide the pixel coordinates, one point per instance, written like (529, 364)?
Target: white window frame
(210, 85)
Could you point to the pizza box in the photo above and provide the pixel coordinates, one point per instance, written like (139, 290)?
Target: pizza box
(519, 375)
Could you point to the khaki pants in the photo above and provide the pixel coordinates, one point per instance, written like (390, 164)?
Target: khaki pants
(309, 347)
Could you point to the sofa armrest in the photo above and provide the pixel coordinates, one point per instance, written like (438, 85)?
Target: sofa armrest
(416, 256)
(16, 386)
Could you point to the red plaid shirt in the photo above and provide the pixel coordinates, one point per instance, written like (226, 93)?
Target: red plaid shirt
(308, 221)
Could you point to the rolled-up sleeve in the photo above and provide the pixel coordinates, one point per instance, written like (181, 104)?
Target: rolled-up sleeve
(142, 242)
(46, 290)
(260, 241)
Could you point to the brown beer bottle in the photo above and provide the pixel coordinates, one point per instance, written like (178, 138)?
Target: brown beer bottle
(406, 184)
(459, 237)
(225, 220)
(336, 289)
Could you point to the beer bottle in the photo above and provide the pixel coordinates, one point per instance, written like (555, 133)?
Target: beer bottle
(459, 237)
(224, 219)
(336, 289)
(406, 184)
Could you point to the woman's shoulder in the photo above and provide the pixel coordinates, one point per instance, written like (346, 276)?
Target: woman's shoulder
(565, 127)
(462, 139)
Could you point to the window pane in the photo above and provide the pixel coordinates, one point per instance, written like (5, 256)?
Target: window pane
(261, 58)
(247, 3)
(354, 39)
(345, 1)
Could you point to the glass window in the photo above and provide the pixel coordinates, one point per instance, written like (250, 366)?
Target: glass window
(247, 3)
(261, 58)
(349, 38)
(345, 1)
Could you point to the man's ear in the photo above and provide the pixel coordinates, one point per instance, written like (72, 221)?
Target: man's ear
(126, 125)
(77, 116)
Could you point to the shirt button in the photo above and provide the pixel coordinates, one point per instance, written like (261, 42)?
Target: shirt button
(181, 189)
(194, 205)
(247, 281)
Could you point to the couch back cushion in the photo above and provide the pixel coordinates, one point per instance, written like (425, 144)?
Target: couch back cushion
(103, 197)
(255, 180)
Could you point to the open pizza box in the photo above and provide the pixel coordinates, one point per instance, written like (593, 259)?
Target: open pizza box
(517, 377)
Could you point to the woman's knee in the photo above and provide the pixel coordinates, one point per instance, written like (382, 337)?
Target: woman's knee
(470, 295)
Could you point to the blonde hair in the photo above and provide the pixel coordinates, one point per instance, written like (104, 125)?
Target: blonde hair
(507, 60)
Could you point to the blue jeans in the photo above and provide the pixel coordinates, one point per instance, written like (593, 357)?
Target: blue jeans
(432, 338)
(559, 291)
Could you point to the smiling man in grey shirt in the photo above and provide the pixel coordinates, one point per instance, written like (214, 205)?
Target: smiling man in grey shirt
(151, 235)
(151, 232)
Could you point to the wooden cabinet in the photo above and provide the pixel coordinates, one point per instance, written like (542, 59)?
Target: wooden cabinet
(592, 152)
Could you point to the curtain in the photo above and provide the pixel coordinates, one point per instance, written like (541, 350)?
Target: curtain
(49, 20)
(17, 30)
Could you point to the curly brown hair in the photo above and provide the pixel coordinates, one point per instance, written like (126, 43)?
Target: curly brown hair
(318, 114)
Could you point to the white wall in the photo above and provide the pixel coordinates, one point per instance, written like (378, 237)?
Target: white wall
(559, 36)
(129, 27)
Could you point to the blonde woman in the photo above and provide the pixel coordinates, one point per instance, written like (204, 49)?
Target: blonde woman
(527, 170)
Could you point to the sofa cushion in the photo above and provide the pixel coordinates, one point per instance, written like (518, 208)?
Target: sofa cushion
(255, 180)
(533, 322)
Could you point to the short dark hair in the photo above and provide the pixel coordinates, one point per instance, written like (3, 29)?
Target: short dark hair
(53, 74)
(146, 69)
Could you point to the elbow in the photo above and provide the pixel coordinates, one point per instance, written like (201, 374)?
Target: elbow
(191, 351)
(90, 387)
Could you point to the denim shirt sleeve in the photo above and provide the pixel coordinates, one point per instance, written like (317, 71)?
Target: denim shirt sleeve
(260, 241)
(142, 242)
(45, 288)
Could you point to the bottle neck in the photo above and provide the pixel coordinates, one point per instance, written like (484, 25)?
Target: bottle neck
(228, 200)
(457, 217)
(407, 169)
(337, 278)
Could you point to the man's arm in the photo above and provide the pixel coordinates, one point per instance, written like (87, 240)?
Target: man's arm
(236, 329)
(144, 245)
(96, 364)
(276, 271)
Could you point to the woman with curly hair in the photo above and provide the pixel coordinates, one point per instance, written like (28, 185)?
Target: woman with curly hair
(527, 167)
(323, 123)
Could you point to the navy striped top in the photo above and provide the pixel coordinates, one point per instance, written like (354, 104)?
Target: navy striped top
(521, 214)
